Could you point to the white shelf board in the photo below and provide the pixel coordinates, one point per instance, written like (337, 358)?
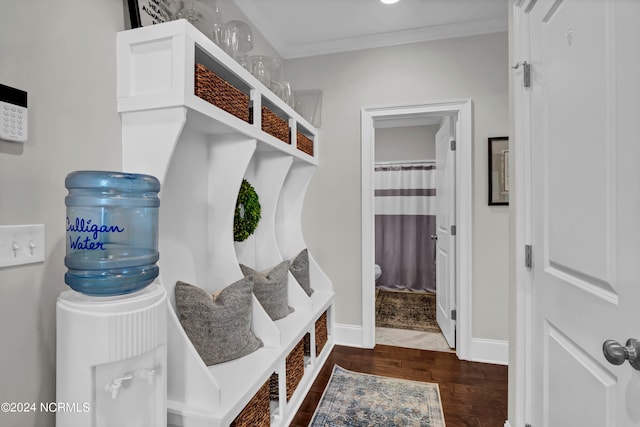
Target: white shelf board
(240, 379)
(294, 327)
(321, 300)
(297, 324)
(208, 119)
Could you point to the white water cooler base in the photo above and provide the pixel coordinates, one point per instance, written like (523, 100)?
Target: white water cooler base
(111, 359)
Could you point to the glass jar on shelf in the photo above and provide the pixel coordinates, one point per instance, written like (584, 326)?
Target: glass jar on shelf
(237, 40)
(190, 10)
(265, 68)
(216, 24)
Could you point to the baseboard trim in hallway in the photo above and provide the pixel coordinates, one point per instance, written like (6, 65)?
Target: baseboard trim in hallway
(489, 351)
(481, 349)
(348, 335)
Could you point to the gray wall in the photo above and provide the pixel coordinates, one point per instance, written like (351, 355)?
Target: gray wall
(469, 67)
(405, 143)
(63, 53)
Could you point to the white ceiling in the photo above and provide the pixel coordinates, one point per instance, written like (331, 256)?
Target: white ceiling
(298, 28)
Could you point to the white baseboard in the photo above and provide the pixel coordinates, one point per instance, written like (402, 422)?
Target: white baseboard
(481, 350)
(489, 351)
(348, 335)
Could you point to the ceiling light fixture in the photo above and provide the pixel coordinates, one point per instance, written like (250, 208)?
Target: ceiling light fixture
(389, 1)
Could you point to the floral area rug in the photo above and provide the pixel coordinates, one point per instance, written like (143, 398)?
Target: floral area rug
(358, 400)
(406, 310)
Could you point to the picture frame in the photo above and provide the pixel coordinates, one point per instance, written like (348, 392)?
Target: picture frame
(499, 171)
(143, 13)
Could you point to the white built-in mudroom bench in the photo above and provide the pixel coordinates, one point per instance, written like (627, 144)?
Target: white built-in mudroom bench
(199, 122)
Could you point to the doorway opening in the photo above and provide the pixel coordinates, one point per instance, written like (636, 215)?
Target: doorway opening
(407, 174)
(460, 277)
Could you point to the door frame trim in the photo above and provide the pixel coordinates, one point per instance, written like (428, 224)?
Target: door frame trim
(462, 108)
(520, 317)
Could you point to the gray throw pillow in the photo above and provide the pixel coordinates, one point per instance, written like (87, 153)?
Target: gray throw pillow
(271, 289)
(219, 327)
(300, 270)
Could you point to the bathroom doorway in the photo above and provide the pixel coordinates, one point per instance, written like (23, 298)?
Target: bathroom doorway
(406, 207)
(376, 120)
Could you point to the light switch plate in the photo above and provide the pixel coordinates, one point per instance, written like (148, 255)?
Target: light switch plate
(21, 244)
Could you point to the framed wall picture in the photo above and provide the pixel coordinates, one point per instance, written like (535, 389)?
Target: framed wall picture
(499, 171)
(148, 12)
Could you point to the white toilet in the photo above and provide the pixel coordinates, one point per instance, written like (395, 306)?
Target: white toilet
(378, 271)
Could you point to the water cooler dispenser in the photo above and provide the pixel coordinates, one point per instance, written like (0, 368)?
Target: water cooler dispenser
(111, 325)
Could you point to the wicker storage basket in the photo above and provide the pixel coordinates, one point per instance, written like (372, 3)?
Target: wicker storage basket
(257, 412)
(275, 125)
(294, 371)
(215, 90)
(321, 336)
(304, 143)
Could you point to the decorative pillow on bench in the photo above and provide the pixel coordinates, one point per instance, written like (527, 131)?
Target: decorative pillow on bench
(300, 270)
(218, 326)
(271, 289)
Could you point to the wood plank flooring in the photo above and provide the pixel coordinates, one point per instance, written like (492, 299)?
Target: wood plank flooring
(472, 394)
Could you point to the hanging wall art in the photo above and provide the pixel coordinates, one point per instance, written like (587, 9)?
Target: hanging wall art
(499, 171)
(148, 12)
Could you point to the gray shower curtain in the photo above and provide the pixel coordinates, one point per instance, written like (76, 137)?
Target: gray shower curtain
(404, 221)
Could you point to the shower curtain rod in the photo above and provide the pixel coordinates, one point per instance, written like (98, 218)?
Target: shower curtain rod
(405, 162)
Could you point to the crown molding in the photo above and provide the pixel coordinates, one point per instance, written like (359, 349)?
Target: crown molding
(438, 32)
(288, 50)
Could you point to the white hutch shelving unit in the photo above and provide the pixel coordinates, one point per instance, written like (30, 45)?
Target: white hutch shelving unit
(200, 153)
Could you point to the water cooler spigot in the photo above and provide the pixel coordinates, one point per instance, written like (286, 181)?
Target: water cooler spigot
(149, 375)
(114, 385)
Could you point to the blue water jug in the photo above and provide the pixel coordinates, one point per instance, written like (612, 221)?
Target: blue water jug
(112, 232)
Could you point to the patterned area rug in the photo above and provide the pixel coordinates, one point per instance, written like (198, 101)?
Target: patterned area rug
(406, 310)
(354, 399)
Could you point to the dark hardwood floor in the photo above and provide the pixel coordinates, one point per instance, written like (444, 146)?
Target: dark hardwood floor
(472, 394)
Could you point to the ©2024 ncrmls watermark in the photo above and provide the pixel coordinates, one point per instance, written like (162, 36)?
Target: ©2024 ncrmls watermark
(49, 407)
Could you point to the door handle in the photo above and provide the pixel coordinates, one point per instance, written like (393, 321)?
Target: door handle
(616, 354)
(434, 237)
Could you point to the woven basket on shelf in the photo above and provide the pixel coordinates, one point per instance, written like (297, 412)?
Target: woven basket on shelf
(275, 125)
(215, 90)
(256, 413)
(294, 372)
(304, 143)
(321, 336)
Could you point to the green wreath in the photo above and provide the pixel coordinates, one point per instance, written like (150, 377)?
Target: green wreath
(247, 213)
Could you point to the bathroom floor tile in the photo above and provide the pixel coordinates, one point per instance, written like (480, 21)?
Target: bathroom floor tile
(434, 341)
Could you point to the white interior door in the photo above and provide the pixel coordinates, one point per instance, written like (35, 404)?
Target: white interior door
(585, 210)
(445, 219)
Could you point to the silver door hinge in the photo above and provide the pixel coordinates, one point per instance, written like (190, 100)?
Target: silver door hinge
(527, 256)
(453, 145)
(527, 425)
(454, 314)
(526, 72)
(454, 229)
